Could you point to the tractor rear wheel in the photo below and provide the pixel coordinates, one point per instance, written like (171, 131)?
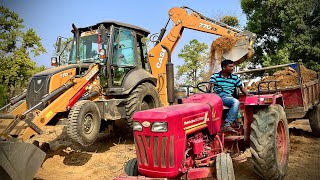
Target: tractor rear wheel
(314, 120)
(84, 122)
(131, 168)
(143, 97)
(224, 167)
(269, 142)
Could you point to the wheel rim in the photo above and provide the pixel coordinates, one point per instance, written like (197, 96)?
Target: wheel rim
(87, 123)
(147, 103)
(281, 144)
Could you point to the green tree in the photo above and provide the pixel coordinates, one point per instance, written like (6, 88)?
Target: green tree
(287, 31)
(16, 47)
(230, 20)
(195, 57)
(65, 49)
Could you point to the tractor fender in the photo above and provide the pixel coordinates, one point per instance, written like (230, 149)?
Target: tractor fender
(136, 77)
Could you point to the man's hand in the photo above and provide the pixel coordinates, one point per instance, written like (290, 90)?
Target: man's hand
(244, 91)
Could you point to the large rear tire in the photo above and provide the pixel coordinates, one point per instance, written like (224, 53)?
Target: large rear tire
(314, 120)
(84, 122)
(224, 167)
(143, 97)
(270, 142)
(131, 168)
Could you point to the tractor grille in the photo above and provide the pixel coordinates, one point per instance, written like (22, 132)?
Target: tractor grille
(37, 88)
(156, 151)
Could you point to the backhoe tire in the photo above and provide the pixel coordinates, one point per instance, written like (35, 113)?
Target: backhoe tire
(224, 167)
(84, 122)
(269, 142)
(131, 168)
(314, 120)
(143, 97)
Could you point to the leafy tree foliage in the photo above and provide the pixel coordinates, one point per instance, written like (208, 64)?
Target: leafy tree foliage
(65, 49)
(287, 30)
(230, 20)
(16, 47)
(195, 57)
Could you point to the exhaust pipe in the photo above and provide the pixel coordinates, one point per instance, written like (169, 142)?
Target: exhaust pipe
(170, 77)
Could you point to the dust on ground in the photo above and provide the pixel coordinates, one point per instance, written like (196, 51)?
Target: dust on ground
(106, 158)
(286, 78)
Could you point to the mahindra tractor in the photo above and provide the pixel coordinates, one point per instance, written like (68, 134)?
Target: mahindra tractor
(109, 76)
(184, 141)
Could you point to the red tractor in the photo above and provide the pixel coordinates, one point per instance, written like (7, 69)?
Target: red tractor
(184, 140)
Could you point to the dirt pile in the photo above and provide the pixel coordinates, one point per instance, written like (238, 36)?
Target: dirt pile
(223, 45)
(219, 46)
(286, 78)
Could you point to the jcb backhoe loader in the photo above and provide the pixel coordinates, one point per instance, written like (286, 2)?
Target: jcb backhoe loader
(109, 76)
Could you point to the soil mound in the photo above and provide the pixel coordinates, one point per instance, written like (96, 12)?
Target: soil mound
(286, 78)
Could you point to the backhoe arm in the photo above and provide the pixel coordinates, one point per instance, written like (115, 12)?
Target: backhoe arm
(182, 19)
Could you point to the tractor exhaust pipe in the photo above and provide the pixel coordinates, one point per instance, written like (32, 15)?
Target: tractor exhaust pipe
(170, 77)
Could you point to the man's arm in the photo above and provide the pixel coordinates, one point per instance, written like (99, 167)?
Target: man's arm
(244, 91)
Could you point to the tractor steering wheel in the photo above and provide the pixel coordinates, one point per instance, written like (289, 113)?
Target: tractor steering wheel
(207, 87)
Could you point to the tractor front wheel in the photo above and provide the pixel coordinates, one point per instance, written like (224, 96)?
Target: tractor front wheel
(224, 167)
(314, 120)
(131, 168)
(269, 142)
(84, 122)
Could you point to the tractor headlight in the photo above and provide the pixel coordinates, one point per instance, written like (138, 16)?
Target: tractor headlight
(136, 126)
(159, 127)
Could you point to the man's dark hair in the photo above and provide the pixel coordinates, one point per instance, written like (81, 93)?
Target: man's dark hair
(225, 63)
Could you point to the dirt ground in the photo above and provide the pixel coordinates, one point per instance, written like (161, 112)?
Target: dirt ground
(105, 159)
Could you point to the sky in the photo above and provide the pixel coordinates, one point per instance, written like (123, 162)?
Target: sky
(54, 18)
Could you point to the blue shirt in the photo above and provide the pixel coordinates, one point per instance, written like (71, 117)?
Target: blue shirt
(228, 84)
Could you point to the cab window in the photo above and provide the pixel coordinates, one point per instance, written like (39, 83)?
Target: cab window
(123, 59)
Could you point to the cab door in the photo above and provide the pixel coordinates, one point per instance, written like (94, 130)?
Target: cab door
(123, 55)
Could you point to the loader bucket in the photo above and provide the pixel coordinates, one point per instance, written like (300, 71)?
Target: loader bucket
(19, 161)
(236, 48)
(241, 51)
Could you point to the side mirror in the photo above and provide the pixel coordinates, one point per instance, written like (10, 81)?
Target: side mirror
(58, 44)
(54, 61)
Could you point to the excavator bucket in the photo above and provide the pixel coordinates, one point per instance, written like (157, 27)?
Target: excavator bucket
(19, 161)
(235, 48)
(241, 51)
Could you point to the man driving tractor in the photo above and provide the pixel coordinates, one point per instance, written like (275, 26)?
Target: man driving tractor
(224, 84)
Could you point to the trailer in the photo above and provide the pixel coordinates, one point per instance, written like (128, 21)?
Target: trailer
(301, 101)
